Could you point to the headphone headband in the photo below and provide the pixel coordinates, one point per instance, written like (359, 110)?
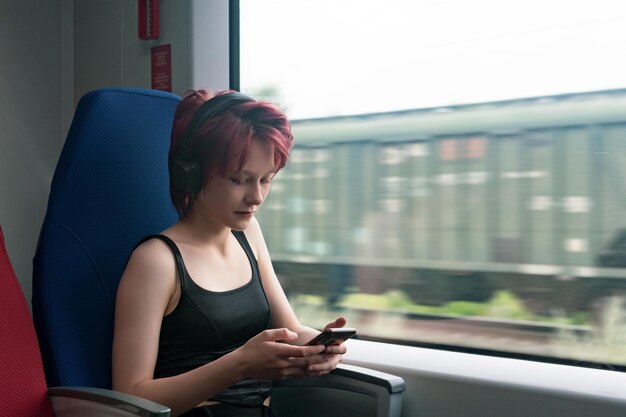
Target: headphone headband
(208, 109)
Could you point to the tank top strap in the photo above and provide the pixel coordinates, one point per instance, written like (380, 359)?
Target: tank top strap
(243, 241)
(180, 265)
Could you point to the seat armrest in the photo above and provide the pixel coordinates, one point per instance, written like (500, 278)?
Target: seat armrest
(348, 390)
(392, 383)
(92, 402)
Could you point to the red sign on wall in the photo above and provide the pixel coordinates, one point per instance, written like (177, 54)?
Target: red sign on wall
(161, 62)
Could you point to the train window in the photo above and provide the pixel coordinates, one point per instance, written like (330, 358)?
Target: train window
(458, 179)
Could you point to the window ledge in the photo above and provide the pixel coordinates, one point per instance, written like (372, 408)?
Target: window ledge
(406, 361)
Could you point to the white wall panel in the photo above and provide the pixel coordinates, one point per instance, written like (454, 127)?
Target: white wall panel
(33, 108)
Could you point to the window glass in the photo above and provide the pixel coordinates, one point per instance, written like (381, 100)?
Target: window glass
(459, 174)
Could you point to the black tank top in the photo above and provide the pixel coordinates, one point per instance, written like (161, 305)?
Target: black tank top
(206, 325)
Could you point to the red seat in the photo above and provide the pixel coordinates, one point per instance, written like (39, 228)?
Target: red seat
(22, 382)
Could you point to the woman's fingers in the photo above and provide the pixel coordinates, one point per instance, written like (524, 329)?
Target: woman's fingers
(327, 365)
(339, 322)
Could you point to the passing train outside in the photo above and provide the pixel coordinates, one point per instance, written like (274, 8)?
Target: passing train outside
(458, 206)
(478, 246)
(516, 188)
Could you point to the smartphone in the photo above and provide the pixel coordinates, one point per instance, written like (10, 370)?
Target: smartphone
(333, 336)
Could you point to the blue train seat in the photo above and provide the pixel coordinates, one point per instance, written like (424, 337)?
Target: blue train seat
(109, 189)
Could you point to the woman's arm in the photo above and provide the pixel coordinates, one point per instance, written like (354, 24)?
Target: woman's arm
(148, 289)
(282, 313)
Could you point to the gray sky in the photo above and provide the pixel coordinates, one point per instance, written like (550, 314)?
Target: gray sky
(330, 57)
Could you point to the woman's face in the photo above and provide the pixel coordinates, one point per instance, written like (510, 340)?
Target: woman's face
(232, 200)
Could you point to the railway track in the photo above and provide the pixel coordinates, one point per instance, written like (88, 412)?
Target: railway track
(474, 332)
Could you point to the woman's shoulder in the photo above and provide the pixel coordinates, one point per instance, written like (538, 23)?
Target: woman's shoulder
(254, 235)
(253, 232)
(149, 278)
(152, 258)
(152, 246)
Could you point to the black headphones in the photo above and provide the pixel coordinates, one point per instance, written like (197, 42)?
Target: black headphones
(185, 171)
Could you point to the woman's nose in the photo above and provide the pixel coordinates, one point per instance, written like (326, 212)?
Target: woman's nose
(255, 195)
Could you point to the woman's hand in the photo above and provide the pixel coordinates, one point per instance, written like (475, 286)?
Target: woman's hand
(264, 356)
(332, 354)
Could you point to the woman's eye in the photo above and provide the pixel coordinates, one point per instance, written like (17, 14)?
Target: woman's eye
(269, 178)
(237, 181)
(244, 181)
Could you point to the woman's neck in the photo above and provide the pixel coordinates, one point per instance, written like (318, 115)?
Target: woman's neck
(201, 232)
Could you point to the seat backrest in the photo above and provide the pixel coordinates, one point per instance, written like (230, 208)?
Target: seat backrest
(110, 189)
(23, 390)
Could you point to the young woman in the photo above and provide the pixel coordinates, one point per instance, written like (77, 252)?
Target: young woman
(202, 324)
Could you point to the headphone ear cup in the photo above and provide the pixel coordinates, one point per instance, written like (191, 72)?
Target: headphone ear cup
(186, 176)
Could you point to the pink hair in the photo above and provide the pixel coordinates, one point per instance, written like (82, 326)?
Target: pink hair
(221, 143)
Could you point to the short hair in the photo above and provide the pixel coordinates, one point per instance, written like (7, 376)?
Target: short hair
(221, 143)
